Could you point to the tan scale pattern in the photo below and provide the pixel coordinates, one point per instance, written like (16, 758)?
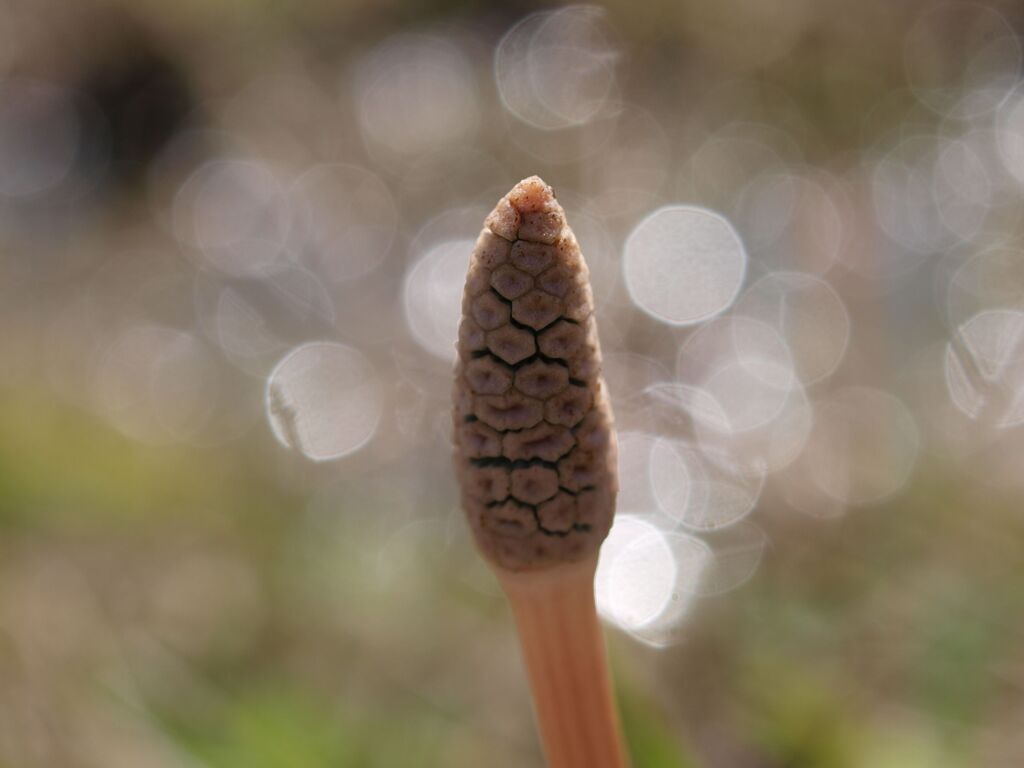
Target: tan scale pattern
(534, 447)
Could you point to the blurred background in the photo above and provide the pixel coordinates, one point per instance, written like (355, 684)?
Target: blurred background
(233, 236)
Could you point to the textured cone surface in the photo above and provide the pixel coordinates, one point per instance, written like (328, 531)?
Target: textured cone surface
(534, 447)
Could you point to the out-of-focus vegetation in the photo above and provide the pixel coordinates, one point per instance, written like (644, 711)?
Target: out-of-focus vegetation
(212, 556)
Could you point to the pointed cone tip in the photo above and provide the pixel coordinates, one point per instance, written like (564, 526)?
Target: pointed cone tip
(532, 194)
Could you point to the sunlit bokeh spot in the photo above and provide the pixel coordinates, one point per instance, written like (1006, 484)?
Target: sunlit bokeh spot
(930, 193)
(697, 492)
(235, 213)
(673, 479)
(993, 277)
(683, 264)
(744, 366)
(636, 491)
(415, 93)
(863, 445)
(678, 409)
(766, 448)
(750, 414)
(961, 58)
(1009, 132)
(985, 367)
(736, 553)
(627, 376)
(693, 558)
(344, 220)
(254, 320)
(808, 315)
(324, 400)
(801, 493)
(636, 573)
(766, 205)
(751, 391)
(556, 69)
(816, 232)
(962, 188)
(433, 296)
(572, 63)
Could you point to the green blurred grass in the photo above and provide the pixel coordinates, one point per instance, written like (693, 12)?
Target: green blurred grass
(882, 640)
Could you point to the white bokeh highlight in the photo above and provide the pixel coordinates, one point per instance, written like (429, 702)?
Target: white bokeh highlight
(697, 492)
(432, 296)
(992, 277)
(808, 315)
(254, 320)
(323, 400)
(556, 69)
(961, 58)
(736, 554)
(984, 367)
(235, 214)
(684, 264)
(753, 413)
(415, 93)
(636, 573)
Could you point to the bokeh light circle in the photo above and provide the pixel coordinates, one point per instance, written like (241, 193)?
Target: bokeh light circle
(700, 494)
(961, 58)
(1009, 136)
(636, 573)
(993, 277)
(432, 296)
(235, 213)
(736, 553)
(254, 320)
(984, 367)
(323, 400)
(684, 264)
(415, 93)
(556, 69)
(744, 366)
(808, 315)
